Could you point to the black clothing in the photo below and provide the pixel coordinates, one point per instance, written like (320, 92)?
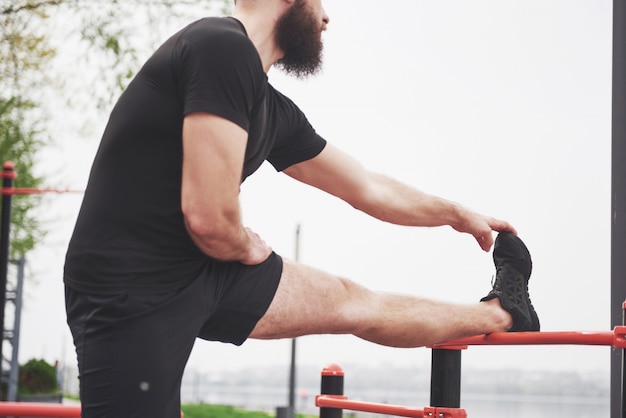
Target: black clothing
(130, 235)
(138, 290)
(132, 349)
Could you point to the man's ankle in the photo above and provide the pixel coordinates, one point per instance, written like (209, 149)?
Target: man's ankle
(502, 320)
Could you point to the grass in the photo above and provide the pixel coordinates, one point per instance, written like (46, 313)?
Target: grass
(219, 411)
(225, 411)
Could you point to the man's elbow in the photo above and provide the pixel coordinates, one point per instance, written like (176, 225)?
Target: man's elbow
(208, 226)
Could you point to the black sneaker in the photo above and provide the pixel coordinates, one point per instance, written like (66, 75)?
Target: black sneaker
(513, 267)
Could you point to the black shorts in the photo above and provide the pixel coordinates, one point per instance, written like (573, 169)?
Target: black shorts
(132, 349)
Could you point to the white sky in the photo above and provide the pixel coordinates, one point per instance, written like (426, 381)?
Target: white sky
(503, 106)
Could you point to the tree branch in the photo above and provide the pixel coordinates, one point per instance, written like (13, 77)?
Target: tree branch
(29, 6)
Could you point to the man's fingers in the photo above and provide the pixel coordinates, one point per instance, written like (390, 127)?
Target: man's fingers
(485, 241)
(498, 225)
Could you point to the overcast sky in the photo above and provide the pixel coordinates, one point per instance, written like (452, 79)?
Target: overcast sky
(503, 106)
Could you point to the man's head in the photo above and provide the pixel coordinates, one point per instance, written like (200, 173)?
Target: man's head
(299, 36)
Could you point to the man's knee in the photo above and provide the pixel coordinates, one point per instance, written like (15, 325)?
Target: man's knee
(310, 301)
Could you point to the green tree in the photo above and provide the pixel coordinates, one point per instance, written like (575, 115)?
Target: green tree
(37, 377)
(23, 55)
(107, 41)
(20, 145)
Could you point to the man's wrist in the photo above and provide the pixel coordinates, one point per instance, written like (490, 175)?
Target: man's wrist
(457, 215)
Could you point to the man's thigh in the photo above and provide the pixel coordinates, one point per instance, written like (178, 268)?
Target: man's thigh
(310, 301)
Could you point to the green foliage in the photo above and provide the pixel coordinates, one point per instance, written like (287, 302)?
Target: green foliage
(37, 378)
(219, 411)
(24, 51)
(103, 39)
(116, 35)
(20, 145)
(24, 55)
(225, 411)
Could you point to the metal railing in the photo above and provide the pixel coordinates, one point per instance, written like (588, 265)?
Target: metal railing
(445, 385)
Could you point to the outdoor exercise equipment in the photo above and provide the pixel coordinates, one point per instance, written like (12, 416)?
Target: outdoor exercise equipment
(445, 383)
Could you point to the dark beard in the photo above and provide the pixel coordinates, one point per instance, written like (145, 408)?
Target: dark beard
(298, 35)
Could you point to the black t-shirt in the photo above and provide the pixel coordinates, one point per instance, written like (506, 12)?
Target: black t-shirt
(130, 234)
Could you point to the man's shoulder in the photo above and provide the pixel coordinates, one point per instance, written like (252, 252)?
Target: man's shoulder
(283, 102)
(216, 36)
(218, 28)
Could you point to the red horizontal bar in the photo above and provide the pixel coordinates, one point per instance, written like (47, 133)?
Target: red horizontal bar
(31, 409)
(7, 191)
(330, 401)
(41, 410)
(613, 338)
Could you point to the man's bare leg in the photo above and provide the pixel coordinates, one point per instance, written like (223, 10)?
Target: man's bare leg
(309, 301)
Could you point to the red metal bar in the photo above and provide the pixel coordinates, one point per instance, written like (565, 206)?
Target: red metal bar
(439, 412)
(340, 402)
(29, 409)
(9, 191)
(615, 338)
(41, 410)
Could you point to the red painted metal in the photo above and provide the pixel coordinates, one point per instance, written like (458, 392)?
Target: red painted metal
(29, 409)
(439, 412)
(332, 370)
(341, 402)
(31, 190)
(41, 410)
(615, 338)
(619, 337)
(451, 346)
(8, 170)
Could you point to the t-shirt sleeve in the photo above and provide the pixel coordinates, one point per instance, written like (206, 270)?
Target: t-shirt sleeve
(300, 144)
(219, 73)
(301, 148)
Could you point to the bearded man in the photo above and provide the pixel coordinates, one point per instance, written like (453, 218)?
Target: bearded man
(159, 255)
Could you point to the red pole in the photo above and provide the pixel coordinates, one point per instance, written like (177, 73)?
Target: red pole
(613, 338)
(29, 409)
(329, 401)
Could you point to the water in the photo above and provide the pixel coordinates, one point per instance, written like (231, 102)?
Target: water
(267, 398)
(265, 390)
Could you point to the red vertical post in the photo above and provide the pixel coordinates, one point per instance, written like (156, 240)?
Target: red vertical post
(332, 384)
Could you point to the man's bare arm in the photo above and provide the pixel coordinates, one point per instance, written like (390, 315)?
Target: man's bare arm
(389, 200)
(213, 154)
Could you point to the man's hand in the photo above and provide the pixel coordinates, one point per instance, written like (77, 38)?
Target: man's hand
(258, 250)
(481, 228)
